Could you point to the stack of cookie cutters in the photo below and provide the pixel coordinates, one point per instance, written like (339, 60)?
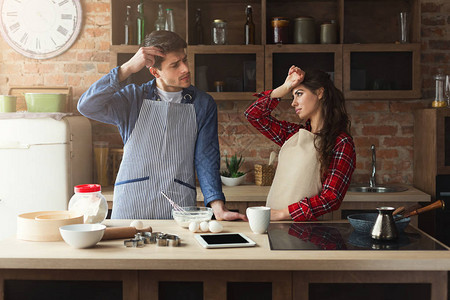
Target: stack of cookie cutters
(158, 238)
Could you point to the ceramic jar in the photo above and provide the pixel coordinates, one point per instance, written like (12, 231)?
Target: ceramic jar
(304, 32)
(328, 33)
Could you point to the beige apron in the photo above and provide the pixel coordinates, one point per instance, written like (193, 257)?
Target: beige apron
(298, 171)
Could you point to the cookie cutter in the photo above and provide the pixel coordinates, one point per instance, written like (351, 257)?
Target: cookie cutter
(159, 238)
(138, 241)
(173, 240)
(135, 243)
(150, 237)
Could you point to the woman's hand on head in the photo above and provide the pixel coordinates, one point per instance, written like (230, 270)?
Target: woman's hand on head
(294, 78)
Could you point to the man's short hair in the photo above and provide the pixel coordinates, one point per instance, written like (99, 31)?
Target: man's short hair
(166, 41)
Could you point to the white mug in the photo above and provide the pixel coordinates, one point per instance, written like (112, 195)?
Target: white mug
(258, 218)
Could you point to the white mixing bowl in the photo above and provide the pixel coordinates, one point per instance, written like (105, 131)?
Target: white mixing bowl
(82, 235)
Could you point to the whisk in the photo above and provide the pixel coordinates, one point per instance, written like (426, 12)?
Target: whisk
(174, 205)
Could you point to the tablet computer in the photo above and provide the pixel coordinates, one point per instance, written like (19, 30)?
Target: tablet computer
(224, 240)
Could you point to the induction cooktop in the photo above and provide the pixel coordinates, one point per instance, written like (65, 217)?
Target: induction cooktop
(341, 236)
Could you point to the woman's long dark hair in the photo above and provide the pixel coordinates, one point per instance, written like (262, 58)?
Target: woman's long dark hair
(334, 113)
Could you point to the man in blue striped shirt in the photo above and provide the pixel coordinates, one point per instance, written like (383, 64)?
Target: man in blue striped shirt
(169, 130)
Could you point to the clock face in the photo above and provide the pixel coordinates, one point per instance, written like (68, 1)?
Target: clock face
(40, 28)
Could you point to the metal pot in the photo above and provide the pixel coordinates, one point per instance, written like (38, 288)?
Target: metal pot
(384, 227)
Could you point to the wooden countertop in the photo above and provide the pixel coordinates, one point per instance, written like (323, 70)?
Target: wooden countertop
(254, 193)
(112, 255)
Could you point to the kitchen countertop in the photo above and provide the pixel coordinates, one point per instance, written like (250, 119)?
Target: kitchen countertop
(254, 193)
(109, 255)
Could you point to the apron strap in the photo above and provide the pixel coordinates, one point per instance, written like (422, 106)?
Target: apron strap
(188, 94)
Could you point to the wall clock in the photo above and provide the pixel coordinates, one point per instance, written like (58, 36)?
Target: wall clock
(40, 29)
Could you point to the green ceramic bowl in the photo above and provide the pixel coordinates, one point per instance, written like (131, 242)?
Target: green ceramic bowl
(46, 102)
(7, 103)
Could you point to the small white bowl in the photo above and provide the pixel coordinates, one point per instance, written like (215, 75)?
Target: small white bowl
(82, 235)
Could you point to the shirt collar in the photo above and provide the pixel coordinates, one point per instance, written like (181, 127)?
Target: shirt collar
(187, 93)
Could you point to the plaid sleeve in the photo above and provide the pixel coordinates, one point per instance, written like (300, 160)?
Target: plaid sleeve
(259, 115)
(334, 187)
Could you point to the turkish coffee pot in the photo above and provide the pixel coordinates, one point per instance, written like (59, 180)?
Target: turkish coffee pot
(384, 227)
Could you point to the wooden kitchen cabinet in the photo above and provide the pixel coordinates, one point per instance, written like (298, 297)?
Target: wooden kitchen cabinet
(240, 68)
(381, 71)
(68, 284)
(215, 285)
(367, 62)
(279, 58)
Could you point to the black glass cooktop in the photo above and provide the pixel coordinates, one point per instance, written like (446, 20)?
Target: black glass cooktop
(341, 236)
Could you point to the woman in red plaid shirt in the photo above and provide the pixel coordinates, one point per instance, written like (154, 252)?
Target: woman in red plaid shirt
(317, 157)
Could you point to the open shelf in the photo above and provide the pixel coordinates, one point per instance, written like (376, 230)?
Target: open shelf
(379, 71)
(240, 68)
(367, 45)
(281, 58)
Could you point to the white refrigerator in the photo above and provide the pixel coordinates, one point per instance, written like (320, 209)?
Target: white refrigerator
(41, 160)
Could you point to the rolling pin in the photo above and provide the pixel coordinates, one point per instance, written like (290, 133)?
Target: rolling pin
(114, 233)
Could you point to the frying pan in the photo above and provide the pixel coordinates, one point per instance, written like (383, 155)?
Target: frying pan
(363, 223)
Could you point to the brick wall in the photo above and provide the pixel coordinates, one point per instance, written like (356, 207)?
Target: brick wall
(386, 124)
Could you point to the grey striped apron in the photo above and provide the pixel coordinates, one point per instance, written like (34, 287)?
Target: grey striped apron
(158, 156)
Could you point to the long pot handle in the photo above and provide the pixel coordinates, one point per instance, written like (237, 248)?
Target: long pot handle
(435, 205)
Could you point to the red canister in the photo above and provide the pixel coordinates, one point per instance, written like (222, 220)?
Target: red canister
(280, 30)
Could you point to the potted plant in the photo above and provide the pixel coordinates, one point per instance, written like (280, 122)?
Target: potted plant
(232, 176)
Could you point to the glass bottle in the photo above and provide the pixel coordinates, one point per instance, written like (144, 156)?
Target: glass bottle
(160, 22)
(170, 24)
(219, 32)
(249, 27)
(140, 24)
(128, 26)
(439, 96)
(198, 36)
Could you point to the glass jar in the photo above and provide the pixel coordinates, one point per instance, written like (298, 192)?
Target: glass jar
(89, 202)
(219, 32)
(280, 30)
(439, 90)
(219, 86)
